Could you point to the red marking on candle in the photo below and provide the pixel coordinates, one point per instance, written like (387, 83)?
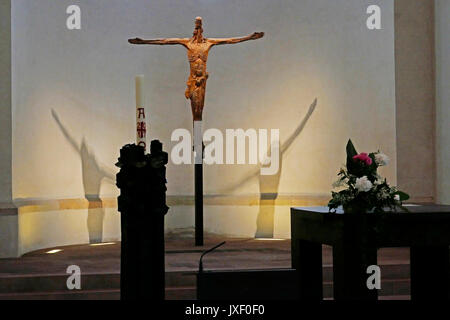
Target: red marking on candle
(141, 111)
(141, 129)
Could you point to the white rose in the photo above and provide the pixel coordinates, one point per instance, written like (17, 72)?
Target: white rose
(397, 197)
(381, 159)
(363, 184)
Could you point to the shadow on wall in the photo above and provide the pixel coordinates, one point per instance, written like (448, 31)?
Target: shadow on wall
(268, 184)
(93, 174)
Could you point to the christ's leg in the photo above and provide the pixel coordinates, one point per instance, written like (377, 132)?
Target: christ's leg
(197, 100)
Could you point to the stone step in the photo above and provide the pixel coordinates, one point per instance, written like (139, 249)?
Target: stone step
(111, 294)
(390, 290)
(386, 298)
(57, 282)
(393, 287)
(399, 287)
(179, 293)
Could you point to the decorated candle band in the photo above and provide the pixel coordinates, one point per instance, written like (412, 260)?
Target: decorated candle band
(141, 124)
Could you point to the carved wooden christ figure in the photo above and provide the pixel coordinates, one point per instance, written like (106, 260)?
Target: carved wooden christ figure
(197, 51)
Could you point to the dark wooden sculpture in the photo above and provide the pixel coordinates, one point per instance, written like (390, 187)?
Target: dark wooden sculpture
(142, 204)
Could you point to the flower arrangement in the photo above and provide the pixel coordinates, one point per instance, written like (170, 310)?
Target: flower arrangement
(363, 189)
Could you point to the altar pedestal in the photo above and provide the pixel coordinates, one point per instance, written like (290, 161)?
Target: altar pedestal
(355, 239)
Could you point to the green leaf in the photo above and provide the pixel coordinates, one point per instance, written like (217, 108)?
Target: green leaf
(351, 151)
(374, 165)
(352, 166)
(403, 196)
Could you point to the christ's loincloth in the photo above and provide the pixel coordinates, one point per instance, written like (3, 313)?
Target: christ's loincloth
(195, 91)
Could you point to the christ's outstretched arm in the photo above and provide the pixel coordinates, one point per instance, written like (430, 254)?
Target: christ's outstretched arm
(253, 36)
(182, 41)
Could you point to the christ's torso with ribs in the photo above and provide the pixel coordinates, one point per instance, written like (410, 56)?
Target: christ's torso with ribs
(198, 55)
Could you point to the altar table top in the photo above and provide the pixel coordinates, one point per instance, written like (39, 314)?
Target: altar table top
(422, 225)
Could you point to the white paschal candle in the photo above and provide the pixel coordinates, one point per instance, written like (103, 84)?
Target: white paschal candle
(141, 125)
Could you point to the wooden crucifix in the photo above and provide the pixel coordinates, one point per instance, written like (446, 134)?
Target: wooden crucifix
(197, 51)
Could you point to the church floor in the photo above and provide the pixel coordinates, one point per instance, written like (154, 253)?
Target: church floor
(42, 275)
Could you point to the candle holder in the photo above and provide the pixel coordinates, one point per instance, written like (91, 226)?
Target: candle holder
(142, 204)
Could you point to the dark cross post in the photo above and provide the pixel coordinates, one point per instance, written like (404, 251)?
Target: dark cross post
(197, 51)
(198, 182)
(199, 204)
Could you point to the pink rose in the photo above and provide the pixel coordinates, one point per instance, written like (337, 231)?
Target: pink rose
(363, 157)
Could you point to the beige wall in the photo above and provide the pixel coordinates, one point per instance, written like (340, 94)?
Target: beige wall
(73, 103)
(312, 49)
(443, 99)
(9, 235)
(50, 228)
(415, 98)
(5, 103)
(82, 76)
(8, 213)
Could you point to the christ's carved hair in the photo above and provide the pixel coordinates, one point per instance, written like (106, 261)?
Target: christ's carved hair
(198, 26)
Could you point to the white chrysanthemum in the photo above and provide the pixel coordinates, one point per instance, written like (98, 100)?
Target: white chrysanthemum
(381, 159)
(363, 184)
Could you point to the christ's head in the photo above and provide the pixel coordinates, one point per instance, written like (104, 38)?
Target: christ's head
(198, 30)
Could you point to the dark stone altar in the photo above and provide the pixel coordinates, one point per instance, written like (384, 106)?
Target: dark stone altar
(355, 239)
(142, 204)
